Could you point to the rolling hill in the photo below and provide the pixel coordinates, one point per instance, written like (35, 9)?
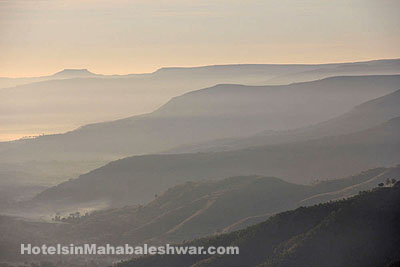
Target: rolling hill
(197, 209)
(364, 116)
(136, 179)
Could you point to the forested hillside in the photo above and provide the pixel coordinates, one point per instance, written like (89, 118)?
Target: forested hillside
(187, 211)
(361, 231)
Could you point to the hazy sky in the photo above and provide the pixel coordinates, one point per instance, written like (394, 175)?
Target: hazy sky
(39, 37)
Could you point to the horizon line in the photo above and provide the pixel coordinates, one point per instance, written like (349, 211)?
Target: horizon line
(199, 66)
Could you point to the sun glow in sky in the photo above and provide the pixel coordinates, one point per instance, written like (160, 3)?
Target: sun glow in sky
(40, 37)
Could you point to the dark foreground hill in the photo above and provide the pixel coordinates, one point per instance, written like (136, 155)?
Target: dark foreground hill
(136, 179)
(362, 231)
(196, 209)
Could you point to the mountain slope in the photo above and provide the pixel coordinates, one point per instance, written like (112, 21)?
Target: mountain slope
(196, 209)
(220, 111)
(137, 179)
(360, 231)
(364, 116)
(193, 209)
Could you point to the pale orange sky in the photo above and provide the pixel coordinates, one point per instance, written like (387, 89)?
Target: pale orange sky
(41, 37)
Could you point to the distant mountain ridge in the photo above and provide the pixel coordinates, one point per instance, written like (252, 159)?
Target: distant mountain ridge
(356, 68)
(60, 103)
(73, 73)
(63, 74)
(274, 69)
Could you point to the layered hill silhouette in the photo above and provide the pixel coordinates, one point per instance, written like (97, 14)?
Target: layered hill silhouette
(75, 97)
(364, 116)
(136, 179)
(212, 113)
(196, 117)
(189, 210)
(205, 114)
(360, 231)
